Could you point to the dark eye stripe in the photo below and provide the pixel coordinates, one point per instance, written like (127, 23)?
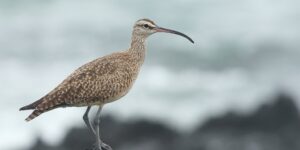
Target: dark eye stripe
(147, 26)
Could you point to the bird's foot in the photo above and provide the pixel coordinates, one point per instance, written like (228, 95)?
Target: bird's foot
(102, 146)
(105, 146)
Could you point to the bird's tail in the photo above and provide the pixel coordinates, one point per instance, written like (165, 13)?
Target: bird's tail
(32, 105)
(34, 114)
(27, 107)
(41, 106)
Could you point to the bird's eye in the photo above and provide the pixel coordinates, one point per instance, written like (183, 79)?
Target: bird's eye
(146, 26)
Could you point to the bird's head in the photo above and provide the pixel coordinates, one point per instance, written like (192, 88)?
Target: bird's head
(146, 27)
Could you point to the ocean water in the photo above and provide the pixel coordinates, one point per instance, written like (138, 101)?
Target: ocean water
(245, 52)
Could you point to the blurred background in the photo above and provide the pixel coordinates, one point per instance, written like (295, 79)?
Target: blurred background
(236, 88)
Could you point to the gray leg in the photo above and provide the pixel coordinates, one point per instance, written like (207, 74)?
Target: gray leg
(99, 142)
(87, 121)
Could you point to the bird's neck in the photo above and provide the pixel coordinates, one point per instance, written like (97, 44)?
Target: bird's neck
(138, 49)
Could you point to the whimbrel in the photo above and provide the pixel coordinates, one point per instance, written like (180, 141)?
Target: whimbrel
(102, 80)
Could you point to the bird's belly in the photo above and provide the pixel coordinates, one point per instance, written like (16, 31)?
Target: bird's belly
(116, 97)
(116, 91)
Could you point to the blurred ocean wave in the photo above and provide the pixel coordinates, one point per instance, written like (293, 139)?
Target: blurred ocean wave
(245, 52)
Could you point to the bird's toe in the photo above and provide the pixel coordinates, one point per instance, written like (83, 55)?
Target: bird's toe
(105, 146)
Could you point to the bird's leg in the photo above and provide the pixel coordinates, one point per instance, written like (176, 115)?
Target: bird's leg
(99, 142)
(97, 126)
(87, 121)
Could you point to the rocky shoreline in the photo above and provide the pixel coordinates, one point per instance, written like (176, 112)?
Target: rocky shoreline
(274, 126)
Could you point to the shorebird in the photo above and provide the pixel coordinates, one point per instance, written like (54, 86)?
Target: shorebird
(102, 80)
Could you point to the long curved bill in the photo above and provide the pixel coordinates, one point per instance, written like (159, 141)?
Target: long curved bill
(160, 29)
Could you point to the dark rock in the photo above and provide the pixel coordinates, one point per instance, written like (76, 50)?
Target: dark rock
(274, 126)
(269, 118)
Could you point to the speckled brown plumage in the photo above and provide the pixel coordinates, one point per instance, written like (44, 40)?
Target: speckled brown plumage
(98, 82)
(103, 80)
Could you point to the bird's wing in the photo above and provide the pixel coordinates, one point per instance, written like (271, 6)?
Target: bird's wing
(88, 84)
